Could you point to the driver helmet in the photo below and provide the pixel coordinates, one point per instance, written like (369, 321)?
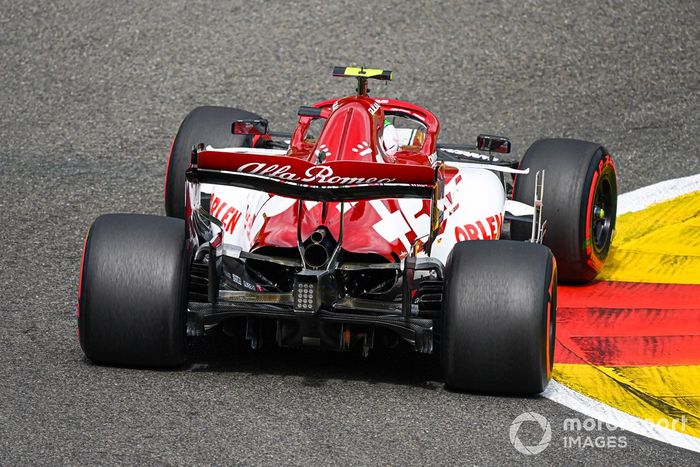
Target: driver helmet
(390, 138)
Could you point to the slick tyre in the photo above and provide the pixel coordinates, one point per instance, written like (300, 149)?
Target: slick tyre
(210, 126)
(133, 291)
(499, 317)
(580, 203)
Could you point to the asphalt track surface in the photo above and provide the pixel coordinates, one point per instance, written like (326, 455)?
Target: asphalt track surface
(91, 94)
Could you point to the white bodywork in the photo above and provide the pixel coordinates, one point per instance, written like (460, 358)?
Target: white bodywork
(474, 206)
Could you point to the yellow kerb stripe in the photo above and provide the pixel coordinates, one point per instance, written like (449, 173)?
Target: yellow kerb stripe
(660, 394)
(659, 244)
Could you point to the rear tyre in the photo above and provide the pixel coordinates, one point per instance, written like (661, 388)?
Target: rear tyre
(133, 291)
(499, 315)
(580, 203)
(207, 125)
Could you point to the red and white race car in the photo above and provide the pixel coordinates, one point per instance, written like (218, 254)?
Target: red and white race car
(357, 228)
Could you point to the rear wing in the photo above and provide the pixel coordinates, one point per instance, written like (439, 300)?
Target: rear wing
(274, 172)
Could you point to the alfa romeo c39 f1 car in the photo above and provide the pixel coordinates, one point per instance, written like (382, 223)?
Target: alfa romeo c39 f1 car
(328, 237)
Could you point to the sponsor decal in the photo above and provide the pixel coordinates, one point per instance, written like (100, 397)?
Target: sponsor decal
(322, 153)
(363, 149)
(484, 229)
(228, 215)
(236, 279)
(471, 155)
(373, 108)
(319, 174)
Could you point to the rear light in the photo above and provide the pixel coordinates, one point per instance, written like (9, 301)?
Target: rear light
(313, 289)
(306, 296)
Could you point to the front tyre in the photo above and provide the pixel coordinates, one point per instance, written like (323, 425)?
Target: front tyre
(580, 203)
(133, 292)
(499, 315)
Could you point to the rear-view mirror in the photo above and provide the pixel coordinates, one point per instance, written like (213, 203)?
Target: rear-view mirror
(249, 127)
(490, 143)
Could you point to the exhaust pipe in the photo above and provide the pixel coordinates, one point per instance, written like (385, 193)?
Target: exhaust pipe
(319, 249)
(318, 236)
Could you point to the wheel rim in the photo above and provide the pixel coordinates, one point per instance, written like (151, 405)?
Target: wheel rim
(602, 216)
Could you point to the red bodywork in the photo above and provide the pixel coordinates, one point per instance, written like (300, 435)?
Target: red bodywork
(352, 123)
(351, 136)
